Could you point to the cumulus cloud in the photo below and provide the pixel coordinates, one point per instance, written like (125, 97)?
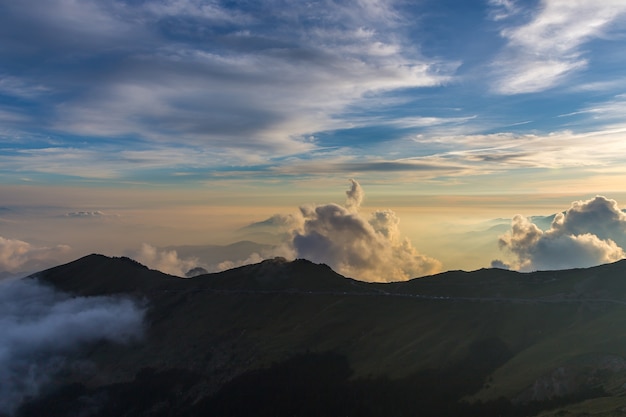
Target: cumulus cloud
(367, 248)
(41, 327)
(18, 255)
(354, 196)
(166, 261)
(599, 215)
(584, 235)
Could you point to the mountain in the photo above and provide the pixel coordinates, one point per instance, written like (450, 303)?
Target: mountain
(296, 338)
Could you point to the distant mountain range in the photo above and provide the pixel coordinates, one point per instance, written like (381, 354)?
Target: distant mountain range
(282, 338)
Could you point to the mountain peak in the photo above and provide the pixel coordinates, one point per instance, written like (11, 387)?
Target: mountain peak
(97, 274)
(280, 274)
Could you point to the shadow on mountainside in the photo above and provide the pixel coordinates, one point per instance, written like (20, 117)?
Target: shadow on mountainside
(308, 384)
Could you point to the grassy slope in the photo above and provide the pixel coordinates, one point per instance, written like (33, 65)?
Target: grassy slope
(227, 333)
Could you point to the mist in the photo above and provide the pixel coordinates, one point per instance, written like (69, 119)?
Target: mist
(42, 327)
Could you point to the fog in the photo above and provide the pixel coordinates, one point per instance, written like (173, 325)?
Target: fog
(42, 328)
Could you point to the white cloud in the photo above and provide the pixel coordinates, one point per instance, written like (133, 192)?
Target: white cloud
(508, 151)
(252, 259)
(502, 9)
(18, 256)
(41, 326)
(542, 52)
(86, 214)
(14, 86)
(599, 215)
(166, 261)
(209, 10)
(367, 249)
(583, 236)
(210, 75)
(609, 111)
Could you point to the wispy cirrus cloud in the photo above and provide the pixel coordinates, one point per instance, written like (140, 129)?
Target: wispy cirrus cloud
(502, 9)
(209, 74)
(609, 111)
(420, 156)
(185, 90)
(543, 51)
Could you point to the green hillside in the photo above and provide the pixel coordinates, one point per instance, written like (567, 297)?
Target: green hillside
(458, 343)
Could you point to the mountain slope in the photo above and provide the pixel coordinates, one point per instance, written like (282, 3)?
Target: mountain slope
(460, 335)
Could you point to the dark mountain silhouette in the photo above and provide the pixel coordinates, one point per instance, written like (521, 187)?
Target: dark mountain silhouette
(296, 338)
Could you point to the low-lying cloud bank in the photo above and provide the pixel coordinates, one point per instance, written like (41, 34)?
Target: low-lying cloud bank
(171, 262)
(41, 327)
(164, 260)
(589, 233)
(17, 255)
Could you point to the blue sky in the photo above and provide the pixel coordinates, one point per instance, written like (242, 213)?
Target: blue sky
(114, 91)
(433, 97)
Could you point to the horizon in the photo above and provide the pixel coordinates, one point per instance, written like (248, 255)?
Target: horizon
(389, 140)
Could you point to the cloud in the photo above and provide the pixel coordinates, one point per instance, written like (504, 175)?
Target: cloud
(17, 255)
(540, 53)
(367, 249)
(280, 221)
(252, 259)
(611, 110)
(585, 235)
(41, 326)
(82, 214)
(166, 261)
(502, 9)
(212, 75)
(497, 263)
(354, 196)
(599, 215)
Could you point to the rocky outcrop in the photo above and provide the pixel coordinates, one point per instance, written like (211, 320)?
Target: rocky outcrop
(576, 377)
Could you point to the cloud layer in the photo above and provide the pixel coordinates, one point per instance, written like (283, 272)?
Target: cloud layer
(589, 233)
(259, 76)
(18, 256)
(166, 261)
(41, 327)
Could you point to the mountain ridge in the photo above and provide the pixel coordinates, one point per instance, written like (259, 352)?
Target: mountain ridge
(122, 274)
(261, 321)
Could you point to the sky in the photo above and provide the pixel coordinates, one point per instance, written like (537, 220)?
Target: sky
(476, 133)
